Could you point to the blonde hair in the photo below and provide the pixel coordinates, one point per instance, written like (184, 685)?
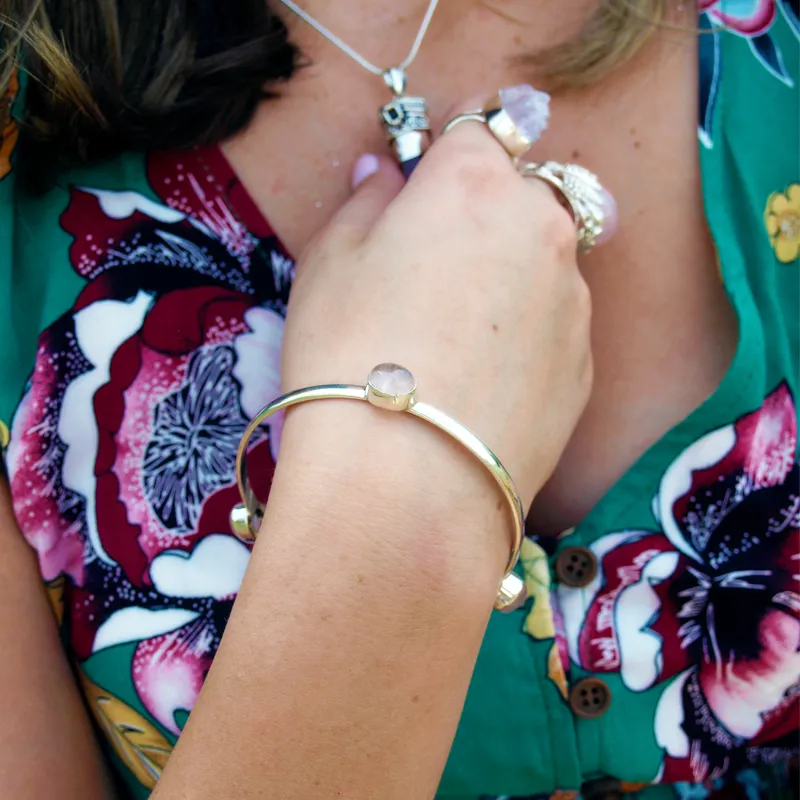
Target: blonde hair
(193, 71)
(614, 32)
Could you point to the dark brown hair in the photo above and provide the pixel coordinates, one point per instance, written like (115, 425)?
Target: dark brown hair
(109, 75)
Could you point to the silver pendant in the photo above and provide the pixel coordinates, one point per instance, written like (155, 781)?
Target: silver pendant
(406, 122)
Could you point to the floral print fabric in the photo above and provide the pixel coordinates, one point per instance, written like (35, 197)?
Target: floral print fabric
(9, 132)
(782, 220)
(121, 450)
(709, 605)
(121, 461)
(754, 21)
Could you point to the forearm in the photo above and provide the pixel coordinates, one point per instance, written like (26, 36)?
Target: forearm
(47, 740)
(347, 657)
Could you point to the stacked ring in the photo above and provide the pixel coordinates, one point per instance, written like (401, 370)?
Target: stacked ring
(592, 207)
(516, 118)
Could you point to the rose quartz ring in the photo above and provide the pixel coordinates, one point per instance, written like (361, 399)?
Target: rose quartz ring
(517, 117)
(593, 209)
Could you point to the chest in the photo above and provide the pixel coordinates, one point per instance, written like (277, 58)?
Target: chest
(663, 332)
(129, 512)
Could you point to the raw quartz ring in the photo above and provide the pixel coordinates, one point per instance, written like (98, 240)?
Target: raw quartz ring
(517, 117)
(393, 388)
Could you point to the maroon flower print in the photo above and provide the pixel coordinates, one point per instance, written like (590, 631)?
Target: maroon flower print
(708, 607)
(123, 448)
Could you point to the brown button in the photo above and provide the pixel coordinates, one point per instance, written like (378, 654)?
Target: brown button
(590, 698)
(602, 789)
(576, 566)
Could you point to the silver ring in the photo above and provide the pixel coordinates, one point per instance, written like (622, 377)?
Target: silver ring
(516, 117)
(468, 116)
(501, 126)
(581, 191)
(583, 194)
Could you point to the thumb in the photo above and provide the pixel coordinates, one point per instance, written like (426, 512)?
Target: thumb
(376, 182)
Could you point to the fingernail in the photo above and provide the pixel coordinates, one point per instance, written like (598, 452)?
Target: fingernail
(366, 165)
(610, 217)
(528, 109)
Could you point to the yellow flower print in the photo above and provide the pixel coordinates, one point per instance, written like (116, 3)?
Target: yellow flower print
(140, 745)
(539, 622)
(5, 435)
(8, 127)
(55, 594)
(782, 218)
(555, 671)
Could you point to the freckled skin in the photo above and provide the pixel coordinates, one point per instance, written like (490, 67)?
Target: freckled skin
(643, 293)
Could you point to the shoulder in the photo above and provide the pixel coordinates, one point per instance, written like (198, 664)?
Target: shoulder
(749, 62)
(749, 130)
(9, 138)
(43, 247)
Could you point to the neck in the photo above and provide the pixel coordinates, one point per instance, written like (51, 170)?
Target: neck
(384, 20)
(382, 31)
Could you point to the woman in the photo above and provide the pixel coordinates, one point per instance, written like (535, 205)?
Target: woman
(144, 295)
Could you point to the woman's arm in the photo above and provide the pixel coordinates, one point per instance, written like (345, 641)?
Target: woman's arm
(47, 746)
(342, 672)
(346, 660)
(345, 663)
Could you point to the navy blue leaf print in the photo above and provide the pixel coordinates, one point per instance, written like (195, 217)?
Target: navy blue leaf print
(710, 64)
(791, 10)
(767, 52)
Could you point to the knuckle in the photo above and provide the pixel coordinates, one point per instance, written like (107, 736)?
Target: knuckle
(480, 177)
(586, 379)
(475, 163)
(582, 298)
(342, 234)
(482, 193)
(561, 232)
(321, 247)
(327, 246)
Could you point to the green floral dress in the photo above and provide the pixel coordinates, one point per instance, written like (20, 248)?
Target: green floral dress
(142, 304)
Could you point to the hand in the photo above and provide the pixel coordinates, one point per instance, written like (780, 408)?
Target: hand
(467, 276)
(362, 612)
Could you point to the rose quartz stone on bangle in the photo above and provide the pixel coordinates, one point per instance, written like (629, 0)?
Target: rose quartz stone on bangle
(611, 217)
(392, 379)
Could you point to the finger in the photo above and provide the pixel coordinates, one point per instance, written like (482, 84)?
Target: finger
(466, 173)
(467, 141)
(376, 182)
(471, 104)
(532, 118)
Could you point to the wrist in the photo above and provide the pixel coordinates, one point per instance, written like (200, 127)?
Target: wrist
(417, 497)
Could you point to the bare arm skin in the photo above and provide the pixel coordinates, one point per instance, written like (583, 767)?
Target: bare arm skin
(46, 739)
(343, 671)
(345, 663)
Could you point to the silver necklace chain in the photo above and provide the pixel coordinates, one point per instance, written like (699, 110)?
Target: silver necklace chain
(357, 57)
